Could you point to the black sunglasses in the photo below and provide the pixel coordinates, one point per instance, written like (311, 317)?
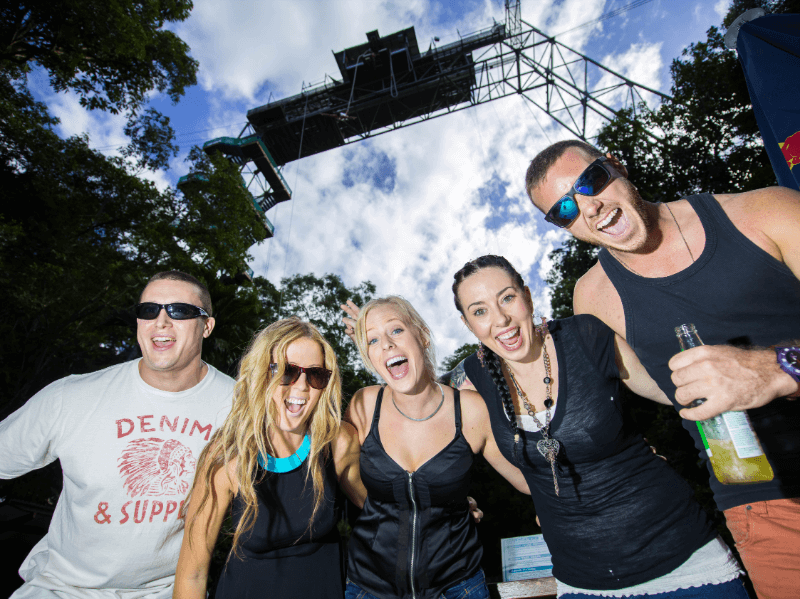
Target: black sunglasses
(176, 311)
(316, 376)
(593, 180)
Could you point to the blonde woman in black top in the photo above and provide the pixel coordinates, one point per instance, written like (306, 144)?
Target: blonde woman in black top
(415, 536)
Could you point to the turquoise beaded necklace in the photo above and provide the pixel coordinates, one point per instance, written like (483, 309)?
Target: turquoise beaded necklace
(287, 464)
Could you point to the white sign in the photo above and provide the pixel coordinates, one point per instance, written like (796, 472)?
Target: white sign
(525, 558)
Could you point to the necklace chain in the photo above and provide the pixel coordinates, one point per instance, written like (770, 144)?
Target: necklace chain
(547, 446)
(688, 249)
(691, 255)
(426, 417)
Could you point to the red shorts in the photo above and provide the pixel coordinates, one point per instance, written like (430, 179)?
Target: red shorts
(767, 535)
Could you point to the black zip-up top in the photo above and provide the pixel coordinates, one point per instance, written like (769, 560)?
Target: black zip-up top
(415, 537)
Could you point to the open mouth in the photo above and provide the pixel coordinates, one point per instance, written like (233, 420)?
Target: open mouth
(510, 339)
(294, 405)
(397, 366)
(163, 342)
(615, 223)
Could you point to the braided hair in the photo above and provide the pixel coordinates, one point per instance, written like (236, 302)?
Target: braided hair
(491, 361)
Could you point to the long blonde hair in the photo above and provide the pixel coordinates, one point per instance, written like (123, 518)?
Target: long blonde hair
(245, 433)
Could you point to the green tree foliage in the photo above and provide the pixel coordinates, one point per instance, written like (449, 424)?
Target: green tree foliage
(79, 235)
(570, 263)
(709, 136)
(455, 358)
(110, 52)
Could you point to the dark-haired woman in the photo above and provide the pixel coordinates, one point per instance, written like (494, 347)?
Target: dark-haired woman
(617, 519)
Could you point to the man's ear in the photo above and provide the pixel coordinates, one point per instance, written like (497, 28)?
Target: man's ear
(208, 326)
(617, 165)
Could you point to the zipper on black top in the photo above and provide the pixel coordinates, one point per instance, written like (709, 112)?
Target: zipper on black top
(413, 530)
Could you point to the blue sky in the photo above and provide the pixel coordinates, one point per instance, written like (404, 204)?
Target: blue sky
(409, 208)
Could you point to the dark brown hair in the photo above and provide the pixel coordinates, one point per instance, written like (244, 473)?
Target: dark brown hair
(177, 275)
(544, 160)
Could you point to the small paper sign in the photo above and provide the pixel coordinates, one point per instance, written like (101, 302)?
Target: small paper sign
(525, 558)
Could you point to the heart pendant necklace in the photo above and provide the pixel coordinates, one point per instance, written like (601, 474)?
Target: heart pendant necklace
(547, 446)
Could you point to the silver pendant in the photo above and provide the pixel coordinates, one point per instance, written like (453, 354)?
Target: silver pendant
(548, 448)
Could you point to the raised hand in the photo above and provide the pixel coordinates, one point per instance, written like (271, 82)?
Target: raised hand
(349, 320)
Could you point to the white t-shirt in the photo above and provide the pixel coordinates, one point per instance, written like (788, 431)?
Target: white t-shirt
(128, 452)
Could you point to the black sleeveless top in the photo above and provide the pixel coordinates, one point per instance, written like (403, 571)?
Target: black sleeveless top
(623, 516)
(280, 556)
(735, 294)
(415, 536)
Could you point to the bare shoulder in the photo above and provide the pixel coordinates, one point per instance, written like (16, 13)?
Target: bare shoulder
(472, 406)
(360, 409)
(767, 210)
(769, 217)
(475, 417)
(595, 294)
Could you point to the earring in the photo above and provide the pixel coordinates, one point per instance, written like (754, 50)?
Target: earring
(481, 354)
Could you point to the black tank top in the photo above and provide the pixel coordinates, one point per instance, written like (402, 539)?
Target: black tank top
(735, 294)
(623, 516)
(280, 556)
(415, 536)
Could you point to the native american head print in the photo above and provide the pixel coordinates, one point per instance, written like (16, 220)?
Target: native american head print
(156, 467)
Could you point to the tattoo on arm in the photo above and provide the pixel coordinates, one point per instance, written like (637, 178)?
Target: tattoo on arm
(456, 378)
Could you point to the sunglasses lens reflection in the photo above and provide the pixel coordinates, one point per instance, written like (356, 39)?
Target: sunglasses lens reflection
(563, 212)
(182, 311)
(592, 180)
(147, 311)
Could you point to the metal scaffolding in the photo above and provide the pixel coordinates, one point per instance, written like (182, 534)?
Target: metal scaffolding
(387, 84)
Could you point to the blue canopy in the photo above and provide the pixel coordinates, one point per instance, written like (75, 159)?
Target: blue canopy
(769, 52)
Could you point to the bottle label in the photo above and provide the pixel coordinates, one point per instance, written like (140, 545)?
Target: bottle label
(744, 439)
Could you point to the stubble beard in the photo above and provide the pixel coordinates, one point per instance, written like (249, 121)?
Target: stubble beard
(641, 208)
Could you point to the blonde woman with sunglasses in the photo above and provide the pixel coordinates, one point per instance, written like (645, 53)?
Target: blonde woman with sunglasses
(275, 462)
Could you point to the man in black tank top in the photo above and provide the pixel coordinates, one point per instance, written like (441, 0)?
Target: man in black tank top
(729, 264)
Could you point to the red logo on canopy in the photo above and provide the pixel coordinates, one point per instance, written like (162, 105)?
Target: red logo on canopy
(791, 149)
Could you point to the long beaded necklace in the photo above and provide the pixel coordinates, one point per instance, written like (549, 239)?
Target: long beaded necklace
(547, 446)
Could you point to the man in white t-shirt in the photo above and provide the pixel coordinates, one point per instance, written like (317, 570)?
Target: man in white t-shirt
(128, 438)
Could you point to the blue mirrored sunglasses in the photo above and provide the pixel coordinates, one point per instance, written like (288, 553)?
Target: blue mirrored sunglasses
(593, 180)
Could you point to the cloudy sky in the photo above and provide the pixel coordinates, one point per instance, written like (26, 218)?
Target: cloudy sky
(407, 209)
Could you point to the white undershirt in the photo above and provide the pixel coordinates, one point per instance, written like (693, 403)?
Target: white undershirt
(527, 423)
(713, 563)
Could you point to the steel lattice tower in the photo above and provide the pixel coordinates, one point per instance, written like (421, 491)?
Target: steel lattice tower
(387, 84)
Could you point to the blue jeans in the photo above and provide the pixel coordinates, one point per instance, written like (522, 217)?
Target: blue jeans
(733, 589)
(471, 588)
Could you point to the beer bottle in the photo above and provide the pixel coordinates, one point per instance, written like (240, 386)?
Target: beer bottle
(730, 442)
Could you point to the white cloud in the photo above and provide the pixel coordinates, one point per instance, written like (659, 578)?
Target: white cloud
(721, 8)
(412, 238)
(449, 177)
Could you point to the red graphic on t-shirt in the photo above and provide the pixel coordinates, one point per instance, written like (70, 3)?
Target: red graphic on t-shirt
(156, 467)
